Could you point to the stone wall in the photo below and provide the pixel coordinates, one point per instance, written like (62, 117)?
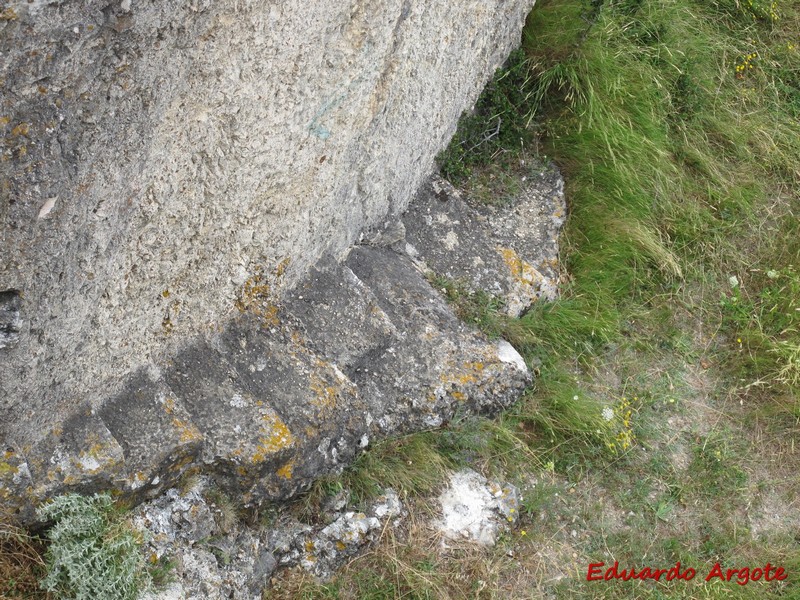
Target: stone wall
(157, 154)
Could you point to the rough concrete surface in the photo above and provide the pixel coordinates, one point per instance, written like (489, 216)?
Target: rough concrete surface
(156, 156)
(169, 171)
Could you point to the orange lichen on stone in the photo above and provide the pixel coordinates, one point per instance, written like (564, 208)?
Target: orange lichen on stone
(286, 470)
(254, 297)
(98, 456)
(469, 373)
(180, 464)
(137, 480)
(186, 432)
(276, 437)
(282, 266)
(325, 396)
(521, 271)
(21, 129)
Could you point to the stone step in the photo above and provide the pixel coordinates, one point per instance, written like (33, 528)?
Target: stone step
(340, 316)
(277, 398)
(158, 438)
(413, 361)
(81, 455)
(508, 249)
(243, 436)
(311, 398)
(440, 366)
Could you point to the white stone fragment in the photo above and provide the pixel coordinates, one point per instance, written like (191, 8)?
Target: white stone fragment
(508, 354)
(47, 207)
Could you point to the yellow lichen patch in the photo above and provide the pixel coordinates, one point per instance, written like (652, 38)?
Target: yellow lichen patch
(178, 465)
(99, 455)
(470, 372)
(7, 469)
(340, 546)
(137, 480)
(521, 271)
(21, 129)
(460, 396)
(297, 338)
(282, 266)
(4, 121)
(169, 405)
(286, 470)
(95, 450)
(254, 297)
(167, 325)
(325, 396)
(276, 437)
(186, 432)
(8, 14)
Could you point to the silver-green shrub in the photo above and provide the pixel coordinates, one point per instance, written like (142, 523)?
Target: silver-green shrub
(92, 556)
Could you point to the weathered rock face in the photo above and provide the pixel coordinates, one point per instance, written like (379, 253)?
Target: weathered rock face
(509, 251)
(168, 170)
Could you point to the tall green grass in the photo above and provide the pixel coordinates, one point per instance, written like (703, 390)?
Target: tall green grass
(675, 124)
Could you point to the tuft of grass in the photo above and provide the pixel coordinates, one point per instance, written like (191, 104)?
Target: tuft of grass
(411, 463)
(21, 563)
(495, 132)
(679, 163)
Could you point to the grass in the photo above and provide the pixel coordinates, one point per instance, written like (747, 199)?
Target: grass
(676, 124)
(21, 563)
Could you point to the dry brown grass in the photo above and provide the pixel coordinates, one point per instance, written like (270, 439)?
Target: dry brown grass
(21, 563)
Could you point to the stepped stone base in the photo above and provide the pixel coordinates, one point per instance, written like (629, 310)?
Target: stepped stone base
(281, 394)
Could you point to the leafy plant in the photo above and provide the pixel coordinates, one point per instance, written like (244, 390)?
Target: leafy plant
(92, 553)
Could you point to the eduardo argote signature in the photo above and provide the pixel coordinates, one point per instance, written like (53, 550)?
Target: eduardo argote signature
(741, 575)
